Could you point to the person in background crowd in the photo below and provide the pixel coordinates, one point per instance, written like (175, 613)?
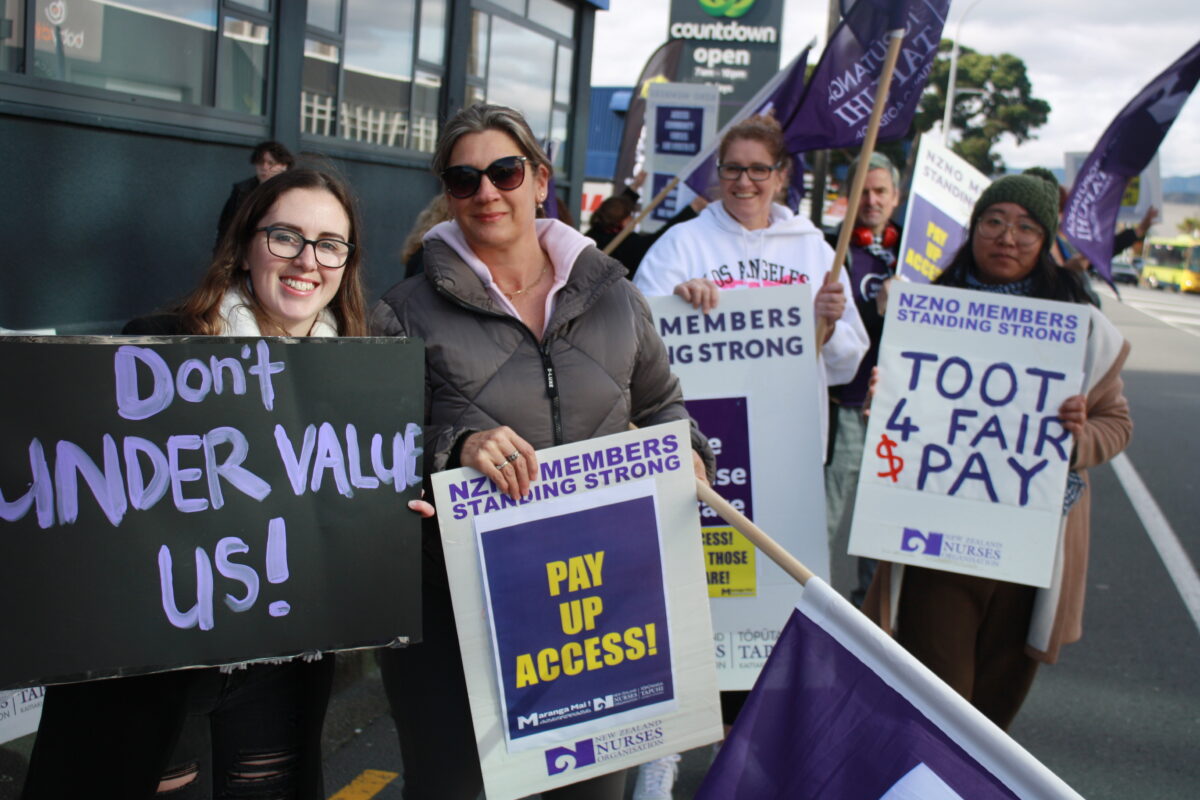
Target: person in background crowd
(1066, 256)
(269, 159)
(413, 252)
(718, 251)
(982, 636)
(617, 211)
(871, 260)
(288, 265)
(533, 339)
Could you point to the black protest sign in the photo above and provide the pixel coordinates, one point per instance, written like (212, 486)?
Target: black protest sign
(178, 501)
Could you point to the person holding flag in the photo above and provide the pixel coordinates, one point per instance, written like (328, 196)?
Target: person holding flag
(874, 249)
(985, 637)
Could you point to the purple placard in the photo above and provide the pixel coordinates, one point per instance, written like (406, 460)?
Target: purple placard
(678, 130)
(724, 422)
(666, 209)
(579, 597)
(932, 237)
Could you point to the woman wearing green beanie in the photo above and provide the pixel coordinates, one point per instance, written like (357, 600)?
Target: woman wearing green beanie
(985, 637)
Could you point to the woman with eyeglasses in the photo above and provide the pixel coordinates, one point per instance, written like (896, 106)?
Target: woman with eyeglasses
(533, 339)
(288, 265)
(982, 636)
(747, 240)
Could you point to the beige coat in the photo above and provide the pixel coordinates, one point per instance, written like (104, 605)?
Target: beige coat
(1058, 610)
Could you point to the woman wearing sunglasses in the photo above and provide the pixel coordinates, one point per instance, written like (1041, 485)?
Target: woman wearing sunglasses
(747, 240)
(533, 339)
(288, 265)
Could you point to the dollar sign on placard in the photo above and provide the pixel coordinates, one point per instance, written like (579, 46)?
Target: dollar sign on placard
(895, 462)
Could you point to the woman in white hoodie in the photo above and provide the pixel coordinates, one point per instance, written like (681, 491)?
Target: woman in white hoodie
(746, 240)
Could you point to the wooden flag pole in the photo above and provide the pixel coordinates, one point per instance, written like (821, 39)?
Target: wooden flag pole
(653, 204)
(860, 175)
(789, 563)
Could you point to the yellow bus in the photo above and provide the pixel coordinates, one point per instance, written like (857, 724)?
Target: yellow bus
(1173, 262)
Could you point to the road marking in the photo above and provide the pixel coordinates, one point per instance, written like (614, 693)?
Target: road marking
(368, 784)
(1173, 556)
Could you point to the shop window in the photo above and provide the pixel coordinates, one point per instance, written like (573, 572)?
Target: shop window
(163, 50)
(12, 35)
(242, 76)
(370, 86)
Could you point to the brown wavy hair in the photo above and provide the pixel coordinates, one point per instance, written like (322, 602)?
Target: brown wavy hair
(762, 128)
(200, 311)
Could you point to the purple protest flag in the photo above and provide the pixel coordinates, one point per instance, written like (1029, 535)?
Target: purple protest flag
(1131, 140)
(780, 96)
(663, 65)
(841, 92)
(841, 710)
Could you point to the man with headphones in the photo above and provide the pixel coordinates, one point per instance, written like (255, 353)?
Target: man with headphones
(874, 248)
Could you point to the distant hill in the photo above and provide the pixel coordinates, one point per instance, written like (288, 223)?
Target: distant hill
(1182, 185)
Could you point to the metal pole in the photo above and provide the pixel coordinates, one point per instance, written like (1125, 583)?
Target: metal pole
(821, 160)
(951, 87)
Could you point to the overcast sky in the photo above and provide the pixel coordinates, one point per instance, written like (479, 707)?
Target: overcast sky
(1087, 58)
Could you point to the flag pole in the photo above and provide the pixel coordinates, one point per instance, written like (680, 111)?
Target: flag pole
(645, 212)
(860, 175)
(787, 562)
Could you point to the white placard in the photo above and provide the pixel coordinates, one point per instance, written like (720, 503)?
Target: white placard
(576, 611)
(20, 712)
(966, 460)
(681, 121)
(748, 371)
(943, 193)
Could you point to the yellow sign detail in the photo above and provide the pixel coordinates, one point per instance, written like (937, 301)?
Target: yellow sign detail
(729, 563)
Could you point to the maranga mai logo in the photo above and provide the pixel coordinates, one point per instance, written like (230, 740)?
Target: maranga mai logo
(726, 8)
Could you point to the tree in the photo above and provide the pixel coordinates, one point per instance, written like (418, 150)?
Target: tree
(1190, 227)
(998, 100)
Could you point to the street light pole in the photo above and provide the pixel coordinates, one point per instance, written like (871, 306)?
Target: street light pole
(951, 88)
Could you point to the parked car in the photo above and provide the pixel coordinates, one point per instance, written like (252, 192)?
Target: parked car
(1124, 272)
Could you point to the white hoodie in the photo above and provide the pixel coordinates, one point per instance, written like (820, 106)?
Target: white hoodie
(789, 250)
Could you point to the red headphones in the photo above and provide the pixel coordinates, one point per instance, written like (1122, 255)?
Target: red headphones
(863, 237)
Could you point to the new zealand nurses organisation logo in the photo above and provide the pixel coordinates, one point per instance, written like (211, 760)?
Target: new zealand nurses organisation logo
(726, 8)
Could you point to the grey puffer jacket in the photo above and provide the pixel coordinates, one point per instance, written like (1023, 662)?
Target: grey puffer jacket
(599, 366)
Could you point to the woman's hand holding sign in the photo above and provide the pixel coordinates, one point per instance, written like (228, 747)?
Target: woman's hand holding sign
(702, 293)
(503, 456)
(1073, 413)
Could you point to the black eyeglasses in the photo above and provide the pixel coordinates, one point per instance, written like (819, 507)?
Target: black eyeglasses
(1024, 233)
(505, 174)
(286, 243)
(757, 172)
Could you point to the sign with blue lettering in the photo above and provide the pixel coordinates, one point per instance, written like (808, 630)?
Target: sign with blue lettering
(579, 622)
(678, 130)
(681, 119)
(588, 656)
(966, 462)
(182, 501)
(749, 373)
(944, 189)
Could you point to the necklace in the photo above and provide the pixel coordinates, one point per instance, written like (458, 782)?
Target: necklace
(511, 295)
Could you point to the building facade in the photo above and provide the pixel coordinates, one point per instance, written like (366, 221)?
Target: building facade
(123, 124)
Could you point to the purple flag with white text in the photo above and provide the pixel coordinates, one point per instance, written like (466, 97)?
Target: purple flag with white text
(842, 711)
(1132, 139)
(841, 91)
(780, 96)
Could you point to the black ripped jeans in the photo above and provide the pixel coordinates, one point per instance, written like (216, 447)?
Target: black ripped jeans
(255, 733)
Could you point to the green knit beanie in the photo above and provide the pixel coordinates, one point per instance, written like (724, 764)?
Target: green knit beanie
(1036, 195)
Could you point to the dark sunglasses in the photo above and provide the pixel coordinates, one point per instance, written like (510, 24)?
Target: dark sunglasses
(505, 174)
